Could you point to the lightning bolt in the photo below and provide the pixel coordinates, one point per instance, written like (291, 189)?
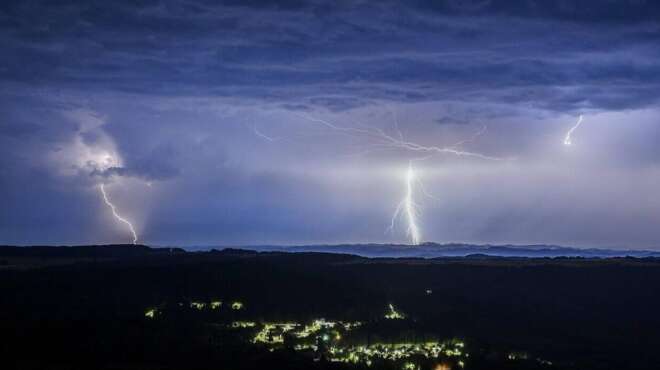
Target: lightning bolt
(379, 139)
(117, 216)
(411, 207)
(262, 135)
(567, 139)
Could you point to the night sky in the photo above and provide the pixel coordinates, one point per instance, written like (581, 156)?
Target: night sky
(202, 121)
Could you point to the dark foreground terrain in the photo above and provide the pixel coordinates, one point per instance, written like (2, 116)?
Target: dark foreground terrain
(132, 307)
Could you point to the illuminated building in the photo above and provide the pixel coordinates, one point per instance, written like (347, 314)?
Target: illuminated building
(237, 305)
(393, 314)
(198, 305)
(243, 324)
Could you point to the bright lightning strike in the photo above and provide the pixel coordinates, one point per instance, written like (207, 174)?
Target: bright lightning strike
(379, 139)
(567, 139)
(117, 216)
(411, 209)
(383, 140)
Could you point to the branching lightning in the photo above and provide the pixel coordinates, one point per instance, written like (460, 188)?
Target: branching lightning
(117, 216)
(409, 207)
(567, 139)
(381, 139)
(378, 139)
(262, 135)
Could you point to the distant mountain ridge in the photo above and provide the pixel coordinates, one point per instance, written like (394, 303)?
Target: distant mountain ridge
(80, 251)
(426, 250)
(435, 250)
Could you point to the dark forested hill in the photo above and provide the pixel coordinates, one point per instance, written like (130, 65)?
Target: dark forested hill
(88, 311)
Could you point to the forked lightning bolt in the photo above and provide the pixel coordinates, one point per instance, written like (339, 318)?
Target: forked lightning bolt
(117, 216)
(382, 140)
(567, 140)
(378, 139)
(409, 206)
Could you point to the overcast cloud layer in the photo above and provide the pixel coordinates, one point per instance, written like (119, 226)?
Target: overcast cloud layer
(202, 121)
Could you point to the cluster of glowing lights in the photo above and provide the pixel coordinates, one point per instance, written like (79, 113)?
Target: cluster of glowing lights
(517, 356)
(398, 352)
(330, 335)
(524, 356)
(273, 333)
(243, 324)
(215, 305)
(275, 330)
(315, 327)
(198, 305)
(393, 313)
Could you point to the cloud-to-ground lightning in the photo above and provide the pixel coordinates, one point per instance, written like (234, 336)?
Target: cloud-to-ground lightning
(409, 207)
(568, 140)
(378, 139)
(382, 140)
(116, 214)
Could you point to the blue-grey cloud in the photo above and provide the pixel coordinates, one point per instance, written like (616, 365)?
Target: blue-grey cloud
(556, 54)
(160, 101)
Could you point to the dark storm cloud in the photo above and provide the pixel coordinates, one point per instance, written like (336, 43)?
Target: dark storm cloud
(569, 55)
(175, 90)
(604, 11)
(447, 120)
(18, 129)
(162, 162)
